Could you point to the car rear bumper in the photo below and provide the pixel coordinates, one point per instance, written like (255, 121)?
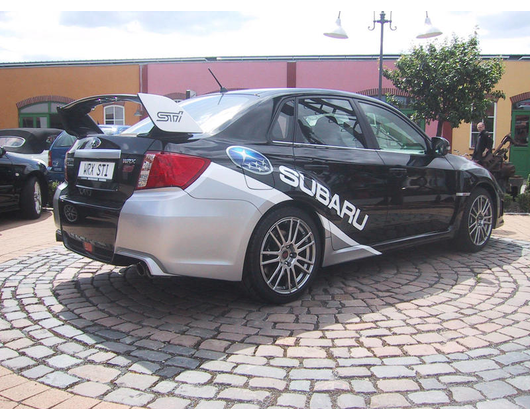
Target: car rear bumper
(171, 232)
(176, 234)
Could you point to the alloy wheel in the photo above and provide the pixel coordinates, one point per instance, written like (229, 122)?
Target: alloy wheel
(37, 198)
(480, 220)
(288, 255)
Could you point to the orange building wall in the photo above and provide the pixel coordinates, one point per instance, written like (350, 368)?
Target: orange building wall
(19, 84)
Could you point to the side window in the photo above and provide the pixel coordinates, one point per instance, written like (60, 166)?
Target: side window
(328, 121)
(393, 132)
(281, 130)
(12, 142)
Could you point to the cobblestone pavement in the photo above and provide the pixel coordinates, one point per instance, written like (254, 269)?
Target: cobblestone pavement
(420, 328)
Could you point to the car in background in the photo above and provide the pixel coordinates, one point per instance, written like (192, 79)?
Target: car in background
(31, 143)
(56, 155)
(265, 187)
(113, 129)
(63, 143)
(23, 184)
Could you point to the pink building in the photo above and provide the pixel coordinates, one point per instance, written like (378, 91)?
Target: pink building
(353, 74)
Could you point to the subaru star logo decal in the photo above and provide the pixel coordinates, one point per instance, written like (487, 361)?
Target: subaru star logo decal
(95, 143)
(249, 160)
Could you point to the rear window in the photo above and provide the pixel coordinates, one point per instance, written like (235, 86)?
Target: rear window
(64, 140)
(12, 142)
(212, 113)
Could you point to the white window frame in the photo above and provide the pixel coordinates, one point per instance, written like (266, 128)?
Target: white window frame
(476, 133)
(115, 120)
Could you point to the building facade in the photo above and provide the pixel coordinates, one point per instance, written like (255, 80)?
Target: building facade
(33, 91)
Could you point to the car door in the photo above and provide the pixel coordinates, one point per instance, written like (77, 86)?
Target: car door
(421, 186)
(7, 180)
(338, 173)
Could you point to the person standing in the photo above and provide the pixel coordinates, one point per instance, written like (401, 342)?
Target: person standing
(484, 144)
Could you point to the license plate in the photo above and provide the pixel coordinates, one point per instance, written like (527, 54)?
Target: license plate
(97, 171)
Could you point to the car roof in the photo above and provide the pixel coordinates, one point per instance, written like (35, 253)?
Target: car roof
(290, 91)
(27, 133)
(36, 138)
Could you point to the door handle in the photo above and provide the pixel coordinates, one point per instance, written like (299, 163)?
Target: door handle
(317, 168)
(398, 172)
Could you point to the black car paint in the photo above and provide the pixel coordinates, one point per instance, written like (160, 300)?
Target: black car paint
(387, 187)
(14, 173)
(76, 120)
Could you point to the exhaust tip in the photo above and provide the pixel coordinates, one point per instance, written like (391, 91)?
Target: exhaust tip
(143, 270)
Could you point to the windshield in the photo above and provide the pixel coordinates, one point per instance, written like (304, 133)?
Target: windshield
(211, 112)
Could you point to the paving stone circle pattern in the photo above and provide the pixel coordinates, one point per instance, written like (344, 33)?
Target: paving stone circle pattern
(425, 327)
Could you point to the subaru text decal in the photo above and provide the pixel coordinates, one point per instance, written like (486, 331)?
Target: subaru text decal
(249, 160)
(323, 195)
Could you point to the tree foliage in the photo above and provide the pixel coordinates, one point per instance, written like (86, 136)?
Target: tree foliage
(448, 83)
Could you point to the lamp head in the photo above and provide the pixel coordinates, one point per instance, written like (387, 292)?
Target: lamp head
(338, 32)
(429, 30)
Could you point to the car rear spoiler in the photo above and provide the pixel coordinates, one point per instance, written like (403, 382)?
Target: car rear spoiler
(166, 114)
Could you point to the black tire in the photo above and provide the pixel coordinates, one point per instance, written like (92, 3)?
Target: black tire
(31, 199)
(283, 257)
(477, 222)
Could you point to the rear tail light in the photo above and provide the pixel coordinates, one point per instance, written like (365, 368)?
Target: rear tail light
(49, 158)
(170, 170)
(68, 162)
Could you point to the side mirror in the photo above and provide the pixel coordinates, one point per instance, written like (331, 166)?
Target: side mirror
(2, 151)
(440, 146)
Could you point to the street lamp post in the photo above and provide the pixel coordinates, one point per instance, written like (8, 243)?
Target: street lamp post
(339, 33)
(381, 21)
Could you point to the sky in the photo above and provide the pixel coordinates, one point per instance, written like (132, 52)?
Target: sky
(56, 31)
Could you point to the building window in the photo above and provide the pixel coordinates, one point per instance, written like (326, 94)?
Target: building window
(489, 121)
(115, 115)
(40, 115)
(523, 105)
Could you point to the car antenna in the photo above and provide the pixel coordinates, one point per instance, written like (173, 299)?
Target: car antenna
(223, 89)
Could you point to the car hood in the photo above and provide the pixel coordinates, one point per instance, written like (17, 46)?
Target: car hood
(165, 113)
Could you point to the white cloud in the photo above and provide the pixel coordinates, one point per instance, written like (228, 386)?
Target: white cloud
(276, 28)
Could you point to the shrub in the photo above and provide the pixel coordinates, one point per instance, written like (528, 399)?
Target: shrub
(52, 186)
(524, 202)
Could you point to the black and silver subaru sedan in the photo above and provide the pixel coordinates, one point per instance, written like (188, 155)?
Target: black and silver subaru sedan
(264, 187)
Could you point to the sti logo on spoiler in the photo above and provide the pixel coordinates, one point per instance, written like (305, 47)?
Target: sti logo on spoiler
(169, 116)
(249, 160)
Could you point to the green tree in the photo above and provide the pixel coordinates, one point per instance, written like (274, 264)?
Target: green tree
(448, 83)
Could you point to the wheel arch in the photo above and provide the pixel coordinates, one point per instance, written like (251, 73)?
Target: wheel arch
(253, 282)
(490, 189)
(26, 198)
(43, 182)
(301, 206)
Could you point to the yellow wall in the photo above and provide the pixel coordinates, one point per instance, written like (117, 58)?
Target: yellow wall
(75, 82)
(515, 81)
